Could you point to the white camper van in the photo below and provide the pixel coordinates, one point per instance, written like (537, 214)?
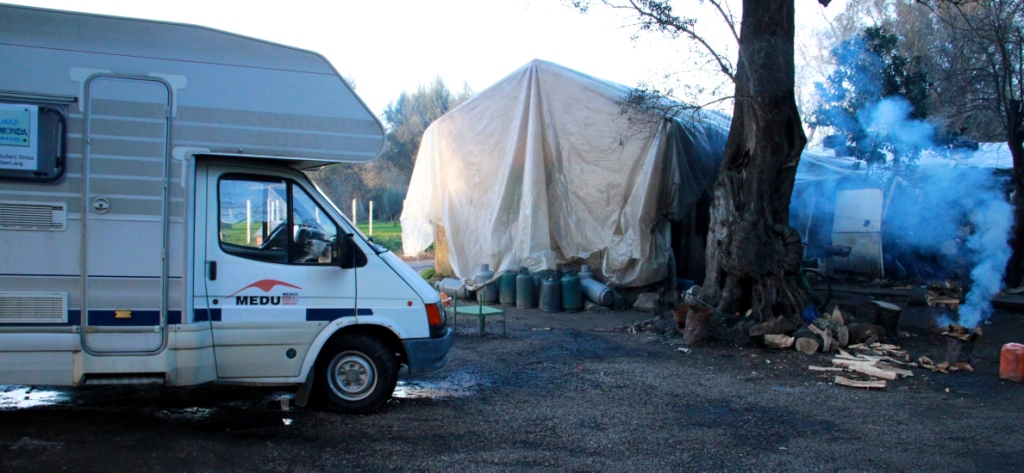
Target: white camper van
(156, 225)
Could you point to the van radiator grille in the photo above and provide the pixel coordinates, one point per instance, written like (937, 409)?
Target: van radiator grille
(33, 216)
(33, 307)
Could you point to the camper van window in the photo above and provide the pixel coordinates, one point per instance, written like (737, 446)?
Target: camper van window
(273, 220)
(32, 142)
(314, 232)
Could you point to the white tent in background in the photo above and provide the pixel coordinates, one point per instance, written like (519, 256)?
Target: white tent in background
(544, 167)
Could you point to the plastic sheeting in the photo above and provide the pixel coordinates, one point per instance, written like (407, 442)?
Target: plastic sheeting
(543, 167)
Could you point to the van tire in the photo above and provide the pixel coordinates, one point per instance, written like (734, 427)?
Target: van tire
(356, 374)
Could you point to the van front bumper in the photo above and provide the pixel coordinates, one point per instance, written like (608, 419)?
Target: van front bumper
(428, 354)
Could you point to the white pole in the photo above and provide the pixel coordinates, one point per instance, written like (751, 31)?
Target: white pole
(248, 222)
(371, 218)
(353, 212)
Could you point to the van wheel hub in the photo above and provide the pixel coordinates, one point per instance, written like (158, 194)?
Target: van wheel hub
(353, 376)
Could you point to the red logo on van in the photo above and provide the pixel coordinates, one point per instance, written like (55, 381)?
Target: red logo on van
(266, 285)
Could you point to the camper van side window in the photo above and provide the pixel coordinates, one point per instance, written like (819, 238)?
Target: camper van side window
(254, 219)
(273, 220)
(314, 232)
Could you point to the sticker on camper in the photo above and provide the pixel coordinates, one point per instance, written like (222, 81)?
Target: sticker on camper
(266, 285)
(18, 137)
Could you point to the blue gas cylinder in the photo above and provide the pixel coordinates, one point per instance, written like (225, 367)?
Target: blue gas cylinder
(551, 293)
(572, 295)
(524, 289)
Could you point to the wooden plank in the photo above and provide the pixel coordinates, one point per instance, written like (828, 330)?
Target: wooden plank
(825, 368)
(843, 381)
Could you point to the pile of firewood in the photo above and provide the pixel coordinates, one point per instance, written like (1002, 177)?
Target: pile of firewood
(877, 362)
(837, 330)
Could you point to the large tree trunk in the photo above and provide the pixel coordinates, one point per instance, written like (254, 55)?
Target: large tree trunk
(753, 254)
(1015, 141)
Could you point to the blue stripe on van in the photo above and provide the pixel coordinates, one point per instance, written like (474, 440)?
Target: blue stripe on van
(327, 315)
(206, 315)
(107, 318)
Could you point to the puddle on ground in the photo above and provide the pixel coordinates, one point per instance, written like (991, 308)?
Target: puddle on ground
(186, 413)
(455, 385)
(23, 397)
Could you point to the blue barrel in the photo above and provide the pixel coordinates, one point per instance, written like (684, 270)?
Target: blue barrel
(524, 289)
(572, 296)
(507, 288)
(551, 293)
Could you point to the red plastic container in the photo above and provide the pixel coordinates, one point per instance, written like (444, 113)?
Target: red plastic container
(1011, 362)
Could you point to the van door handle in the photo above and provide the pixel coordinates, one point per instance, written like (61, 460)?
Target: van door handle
(213, 270)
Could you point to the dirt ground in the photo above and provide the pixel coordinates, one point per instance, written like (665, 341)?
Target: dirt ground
(563, 392)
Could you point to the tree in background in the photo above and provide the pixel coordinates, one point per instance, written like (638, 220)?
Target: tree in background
(869, 68)
(753, 254)
(386, 180)
(988, 37)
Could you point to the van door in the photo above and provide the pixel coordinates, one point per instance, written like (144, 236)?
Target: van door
(127, 211)
(272, 282)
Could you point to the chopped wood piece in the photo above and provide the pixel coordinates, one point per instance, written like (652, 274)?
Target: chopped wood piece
(825, 368)
(873, 371)
(807, 346)
(837, 317)
(842, 336)
(899, 371)
(878, 383)
(778, 341)
(842, 362)
(962, 366)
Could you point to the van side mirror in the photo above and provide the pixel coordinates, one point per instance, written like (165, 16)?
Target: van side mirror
(349, 254)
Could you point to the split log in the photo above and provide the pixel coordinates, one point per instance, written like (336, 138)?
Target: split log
(843, 336)
(775, 326)
(807, 345)
(849, 363)
(837, 317)
(825, 368)
(843, 381)
(899, 371)
(873, 371)
(778, 341)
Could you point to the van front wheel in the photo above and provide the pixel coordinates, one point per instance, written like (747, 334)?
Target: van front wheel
(357, 374)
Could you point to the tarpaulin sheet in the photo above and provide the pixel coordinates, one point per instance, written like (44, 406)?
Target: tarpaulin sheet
(544, 167)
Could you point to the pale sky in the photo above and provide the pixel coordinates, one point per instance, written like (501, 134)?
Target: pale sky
(390, 46)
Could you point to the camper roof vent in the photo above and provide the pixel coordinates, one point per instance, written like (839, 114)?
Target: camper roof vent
(33, 307)
(46, 216)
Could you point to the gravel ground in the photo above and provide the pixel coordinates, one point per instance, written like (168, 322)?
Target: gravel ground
(563, 392)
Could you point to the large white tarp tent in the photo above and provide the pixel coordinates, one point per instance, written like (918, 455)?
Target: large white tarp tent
(545, 167)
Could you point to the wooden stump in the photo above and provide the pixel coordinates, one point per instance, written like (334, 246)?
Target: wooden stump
(698, 322)
(958, 350)
(889, 318)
